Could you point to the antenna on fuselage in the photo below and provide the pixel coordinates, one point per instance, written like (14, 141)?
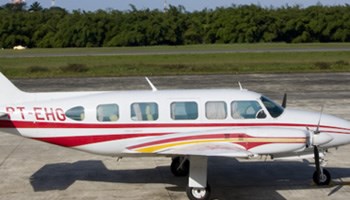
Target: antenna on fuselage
(240, 86)
(151, 84)
(284, 101)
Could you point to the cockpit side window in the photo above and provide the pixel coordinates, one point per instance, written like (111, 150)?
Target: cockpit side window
(107, 112)
(76, 113)
(247, 110)
(274, 109)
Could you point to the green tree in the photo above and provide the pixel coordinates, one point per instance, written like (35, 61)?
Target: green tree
(56, 27)
(35, 7)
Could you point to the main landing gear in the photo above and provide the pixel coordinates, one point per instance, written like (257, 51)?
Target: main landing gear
(198, 193)
(196, 168)
(180, 166)
(197, 188)
(321, 176)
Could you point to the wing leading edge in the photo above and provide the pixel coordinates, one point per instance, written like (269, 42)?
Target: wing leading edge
(216, 149)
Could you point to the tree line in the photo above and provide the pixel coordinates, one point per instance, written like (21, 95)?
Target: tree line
(34, 26)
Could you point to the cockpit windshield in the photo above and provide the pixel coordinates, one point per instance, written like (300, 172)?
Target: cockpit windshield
(274, 109)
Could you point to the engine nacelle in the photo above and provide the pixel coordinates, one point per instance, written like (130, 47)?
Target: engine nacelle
(317, 139)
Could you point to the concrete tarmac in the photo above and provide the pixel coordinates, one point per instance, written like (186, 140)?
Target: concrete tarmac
(35, 170)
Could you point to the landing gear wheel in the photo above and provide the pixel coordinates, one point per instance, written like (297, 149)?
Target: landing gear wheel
(198, 193)
(178, 170)
(322, 179)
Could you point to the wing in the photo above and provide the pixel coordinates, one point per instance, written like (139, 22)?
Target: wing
(204, 143)
(221, 149)
(228, 142)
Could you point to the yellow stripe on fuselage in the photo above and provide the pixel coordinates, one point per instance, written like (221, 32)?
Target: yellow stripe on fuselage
(155, 148)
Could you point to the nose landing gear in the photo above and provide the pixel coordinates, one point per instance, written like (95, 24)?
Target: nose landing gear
(321, 176)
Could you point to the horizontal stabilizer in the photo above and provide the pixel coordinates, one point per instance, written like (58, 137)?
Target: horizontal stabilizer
(3, 114)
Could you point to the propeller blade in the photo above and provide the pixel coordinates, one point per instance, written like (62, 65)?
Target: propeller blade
(284, 102)
(319, 122)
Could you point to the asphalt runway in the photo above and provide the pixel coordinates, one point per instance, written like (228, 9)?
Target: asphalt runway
(35, 170)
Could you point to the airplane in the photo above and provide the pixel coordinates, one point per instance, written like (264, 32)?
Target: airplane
(187, 125)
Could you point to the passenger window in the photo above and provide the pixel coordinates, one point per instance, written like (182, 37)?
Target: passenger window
(216, 110)
(107, 112)
(144, 111)
(76, 113)
(247, 110)
(184, 110)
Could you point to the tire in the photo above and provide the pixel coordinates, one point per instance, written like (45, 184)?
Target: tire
(324, 180)
(179, 172)
(198, 193)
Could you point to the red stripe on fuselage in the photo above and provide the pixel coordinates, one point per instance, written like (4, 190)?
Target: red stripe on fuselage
(72, 141)
(211, 136)
(193, 137)
(31, 124)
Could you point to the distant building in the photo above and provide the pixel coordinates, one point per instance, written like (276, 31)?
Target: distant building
(17, 1)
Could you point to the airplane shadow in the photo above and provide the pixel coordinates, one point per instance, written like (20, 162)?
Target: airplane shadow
(229, 178)
(60, 176)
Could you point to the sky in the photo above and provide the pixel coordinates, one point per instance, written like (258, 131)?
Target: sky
(190, 5)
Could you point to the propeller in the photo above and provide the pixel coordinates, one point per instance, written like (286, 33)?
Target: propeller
(317, 137)
(317, 131)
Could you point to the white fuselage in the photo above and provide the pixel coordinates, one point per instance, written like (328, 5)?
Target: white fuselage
(130, 123)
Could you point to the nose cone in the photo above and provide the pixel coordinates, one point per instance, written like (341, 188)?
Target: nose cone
(321, 139)
(336, 130)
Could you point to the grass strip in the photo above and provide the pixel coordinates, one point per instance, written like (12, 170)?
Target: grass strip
(174, 64)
